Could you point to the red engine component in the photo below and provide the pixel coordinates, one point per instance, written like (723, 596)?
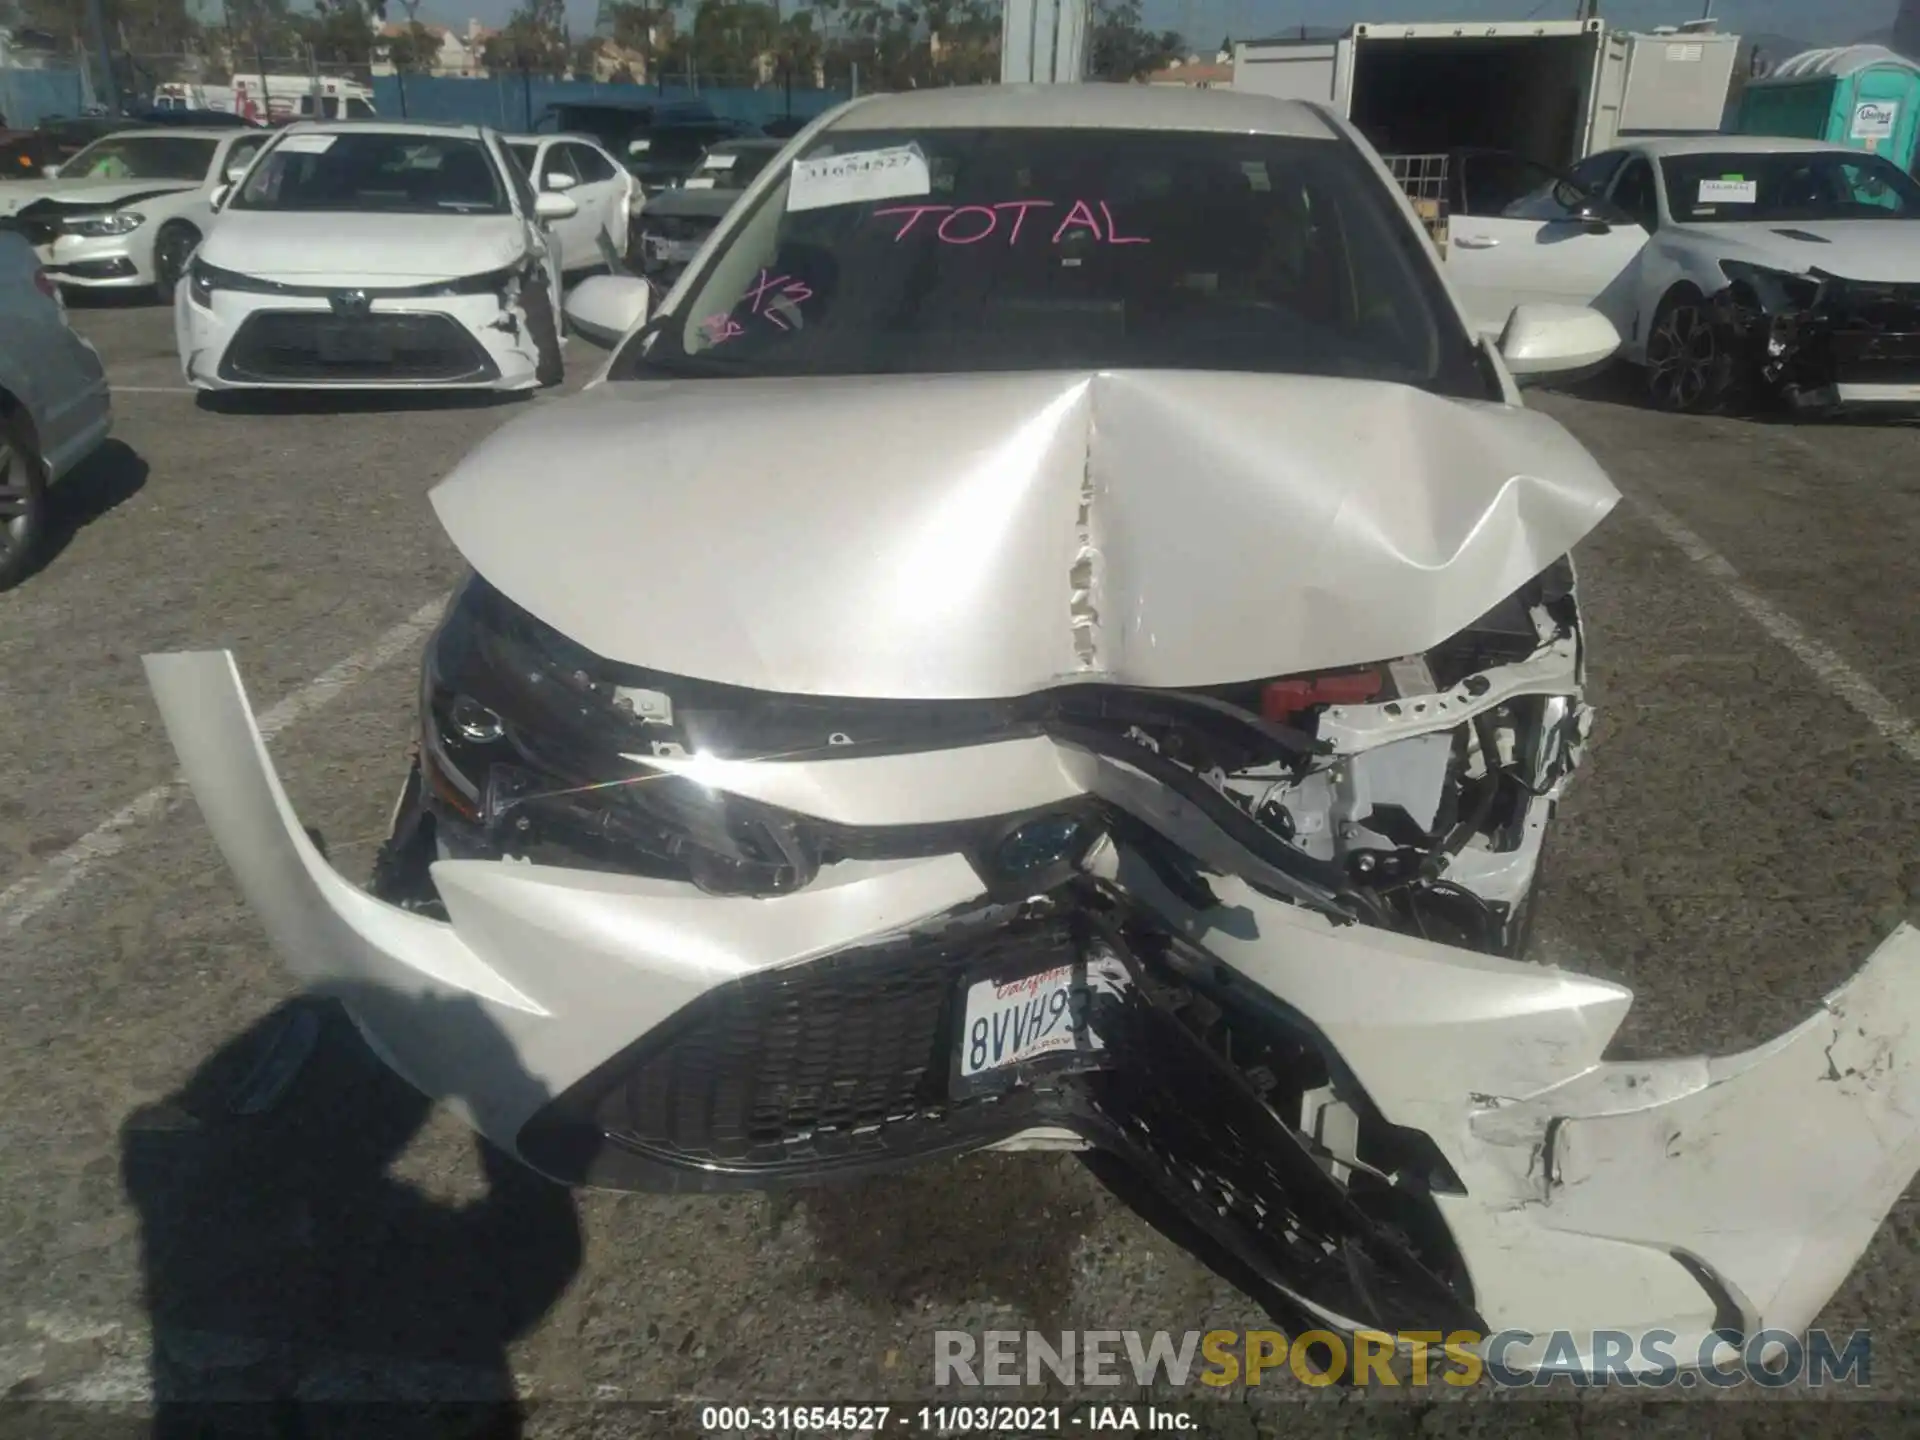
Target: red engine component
(1281, 699)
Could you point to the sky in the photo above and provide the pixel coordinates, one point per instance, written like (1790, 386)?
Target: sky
(1205, 22)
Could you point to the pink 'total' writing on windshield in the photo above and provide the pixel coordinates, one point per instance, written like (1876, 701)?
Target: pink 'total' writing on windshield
(970, 224)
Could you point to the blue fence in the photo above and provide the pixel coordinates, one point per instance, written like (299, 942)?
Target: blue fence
(29, 96)
(508, 103)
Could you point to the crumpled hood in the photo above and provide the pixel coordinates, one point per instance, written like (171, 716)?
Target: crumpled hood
(16, 195)
(989, 535)
(1876, 250)
(304, 246)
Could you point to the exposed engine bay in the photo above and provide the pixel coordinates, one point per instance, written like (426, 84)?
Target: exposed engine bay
(1412, 794)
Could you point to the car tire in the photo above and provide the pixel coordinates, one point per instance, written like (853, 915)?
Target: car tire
(1689, 367)
(549, 368)
(23, 499)
(172, 248)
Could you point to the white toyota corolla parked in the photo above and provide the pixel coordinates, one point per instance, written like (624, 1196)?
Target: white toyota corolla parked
(375, 257)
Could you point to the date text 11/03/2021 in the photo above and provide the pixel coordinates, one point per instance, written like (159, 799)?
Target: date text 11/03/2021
(941, 1419)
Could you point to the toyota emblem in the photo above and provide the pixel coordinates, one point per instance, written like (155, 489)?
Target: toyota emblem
(351, 302)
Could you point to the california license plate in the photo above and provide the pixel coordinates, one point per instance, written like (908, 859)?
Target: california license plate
(1013, 1022)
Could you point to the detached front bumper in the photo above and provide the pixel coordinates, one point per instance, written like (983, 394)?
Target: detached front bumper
(244, 340)
(1580, 1194)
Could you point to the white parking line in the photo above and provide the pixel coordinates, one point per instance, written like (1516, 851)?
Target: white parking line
(31, 894)
(1819, 657)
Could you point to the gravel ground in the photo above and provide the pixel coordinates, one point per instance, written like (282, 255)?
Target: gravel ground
(1741, 836)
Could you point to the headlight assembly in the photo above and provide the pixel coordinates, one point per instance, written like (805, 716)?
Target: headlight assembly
(524, 740)
(94, 227)
(203, 279)
(493, 282)
(1775, 288)
(534, 748)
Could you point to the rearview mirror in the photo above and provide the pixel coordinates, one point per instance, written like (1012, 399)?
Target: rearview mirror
(1558, 341)
(560, 180)
(603, 308)
(549, 206)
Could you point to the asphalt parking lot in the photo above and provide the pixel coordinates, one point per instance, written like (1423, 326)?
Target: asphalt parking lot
(1743, 833)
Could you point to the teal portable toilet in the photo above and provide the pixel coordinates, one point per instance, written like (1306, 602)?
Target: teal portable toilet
(1860, 95)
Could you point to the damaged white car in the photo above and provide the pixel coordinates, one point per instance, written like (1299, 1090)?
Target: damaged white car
(127, 211)
(1057, 633)
(388, 256)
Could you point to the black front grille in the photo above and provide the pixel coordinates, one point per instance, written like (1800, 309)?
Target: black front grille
(309, 346)
(1875, 336)
(832, 1064)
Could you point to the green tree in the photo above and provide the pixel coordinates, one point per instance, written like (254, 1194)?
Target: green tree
(338, 32)
(1120, 45)
(415, 49)
(534, 40)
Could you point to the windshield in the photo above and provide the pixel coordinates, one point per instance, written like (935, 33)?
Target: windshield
(392, 172)
(142, 157)
(1787, 185)
(1017, 249)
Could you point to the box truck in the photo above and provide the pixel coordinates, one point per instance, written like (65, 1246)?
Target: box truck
(1552, 91)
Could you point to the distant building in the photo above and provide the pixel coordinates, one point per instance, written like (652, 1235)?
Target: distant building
(459, 53)
(1197, 72)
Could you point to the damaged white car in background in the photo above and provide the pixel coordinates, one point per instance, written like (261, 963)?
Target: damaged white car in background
(376, 256)
(1057, 633)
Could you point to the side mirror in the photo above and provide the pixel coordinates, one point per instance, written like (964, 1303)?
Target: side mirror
(236, 173)
(549, 206)
(559, 180)
(52, 172)
(219, 196)
(1559, 341)
(639, 147)
(603, 308)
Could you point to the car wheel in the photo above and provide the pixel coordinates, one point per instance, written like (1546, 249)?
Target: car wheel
(550, 368)
(172, 248)
(23, 499)
(1688, 368)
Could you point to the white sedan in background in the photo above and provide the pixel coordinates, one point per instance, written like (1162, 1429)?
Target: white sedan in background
(126, 212)
(608, 196)
(1736, 267)
(376, 256)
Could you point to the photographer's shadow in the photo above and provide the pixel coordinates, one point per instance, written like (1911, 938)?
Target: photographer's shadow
(285, 1264)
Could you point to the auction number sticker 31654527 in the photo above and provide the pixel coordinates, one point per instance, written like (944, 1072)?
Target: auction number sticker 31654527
(889, 173)
(1005, 1023)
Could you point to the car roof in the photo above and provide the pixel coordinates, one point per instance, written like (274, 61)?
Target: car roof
(541, 137)
(1090, 106)
(1733, 145)
(177, 132)
(382, 126)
